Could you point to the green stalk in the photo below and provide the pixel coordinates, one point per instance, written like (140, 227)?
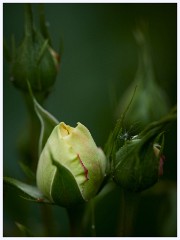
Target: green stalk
(127, 214)
(75, 215)
(33, 153)
(93, 224)
(47, 217)
(88, 222)
(34, 132)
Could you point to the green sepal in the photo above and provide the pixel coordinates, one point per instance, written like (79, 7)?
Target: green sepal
(136, 170)
(48, 121)
(43, 24)
(65, 191)
(28, 192)
(113, 144)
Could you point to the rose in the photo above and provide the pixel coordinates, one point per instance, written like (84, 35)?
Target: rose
(71, 167)
(34, 60)
(138, 164)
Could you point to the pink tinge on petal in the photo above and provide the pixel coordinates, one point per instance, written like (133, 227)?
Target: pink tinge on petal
(85, 169)
(161, 163)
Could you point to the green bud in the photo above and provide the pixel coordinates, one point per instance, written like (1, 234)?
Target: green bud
(34, 60)
(71, 167)
(150, 101)
(138, 164)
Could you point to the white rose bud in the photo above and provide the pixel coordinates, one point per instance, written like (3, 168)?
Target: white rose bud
(71, 167)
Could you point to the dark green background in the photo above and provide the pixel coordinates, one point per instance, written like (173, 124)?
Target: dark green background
(99, 61)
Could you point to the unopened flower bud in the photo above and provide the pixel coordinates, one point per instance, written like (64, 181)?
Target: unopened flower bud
(71, 167)
(34, 60)
(138, 165)
(150, 102)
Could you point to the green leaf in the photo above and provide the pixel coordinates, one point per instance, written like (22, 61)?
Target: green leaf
(28, 192)
(24, 230)
(48, 121)
(65, 191)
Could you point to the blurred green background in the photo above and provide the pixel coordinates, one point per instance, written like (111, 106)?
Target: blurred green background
(99, 62)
